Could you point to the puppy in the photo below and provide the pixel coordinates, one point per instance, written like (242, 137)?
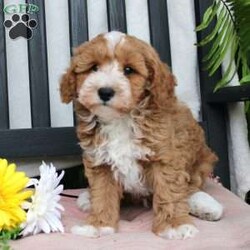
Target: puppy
(136, 137)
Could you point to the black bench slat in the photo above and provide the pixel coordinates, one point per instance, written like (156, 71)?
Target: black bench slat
(38, 142)
(78, 19)
(4, 114)
(116, 15)
(213, 114)
(230, 94)
(78, 25)
(38, 71)
(159, 28)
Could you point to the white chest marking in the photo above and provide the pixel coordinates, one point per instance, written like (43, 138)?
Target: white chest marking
(121, 150)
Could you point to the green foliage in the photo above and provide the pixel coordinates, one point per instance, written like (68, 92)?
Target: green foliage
(5, 236)
(231, 32)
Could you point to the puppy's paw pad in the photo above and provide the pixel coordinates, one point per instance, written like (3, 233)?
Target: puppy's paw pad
(187, 231)
(182, 232)
(205, 206)
(86, 230)
(83, 201)
(106, 231)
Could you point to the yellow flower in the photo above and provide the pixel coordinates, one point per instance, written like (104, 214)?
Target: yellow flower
(12, 195)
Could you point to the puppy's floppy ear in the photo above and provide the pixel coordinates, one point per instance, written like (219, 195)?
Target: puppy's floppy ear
(162, 81)
(68, 85)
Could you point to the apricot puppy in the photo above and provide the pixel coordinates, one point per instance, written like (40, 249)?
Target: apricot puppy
(136, 138)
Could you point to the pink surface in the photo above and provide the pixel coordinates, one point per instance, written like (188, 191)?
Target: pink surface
(231, 232)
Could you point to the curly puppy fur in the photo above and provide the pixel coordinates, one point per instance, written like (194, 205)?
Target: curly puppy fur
(138, 139)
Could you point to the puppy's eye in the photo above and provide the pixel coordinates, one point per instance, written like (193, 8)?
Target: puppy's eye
(94, 68)
(128, 71)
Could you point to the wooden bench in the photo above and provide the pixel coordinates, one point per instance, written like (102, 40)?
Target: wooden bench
(43, 140)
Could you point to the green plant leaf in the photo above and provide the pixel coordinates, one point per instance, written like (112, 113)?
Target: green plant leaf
(208, 16)
(231, 33)
(245, 79)
(220, 21)
(247, 107)
(230, 70)
(219, 56)
(6, 235)
(216, 47)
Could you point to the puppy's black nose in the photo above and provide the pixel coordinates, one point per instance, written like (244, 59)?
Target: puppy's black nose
(106, 94)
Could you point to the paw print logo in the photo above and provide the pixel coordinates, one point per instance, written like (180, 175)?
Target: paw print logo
(20, 26)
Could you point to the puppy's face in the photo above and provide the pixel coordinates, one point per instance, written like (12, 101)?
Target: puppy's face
(111, 74)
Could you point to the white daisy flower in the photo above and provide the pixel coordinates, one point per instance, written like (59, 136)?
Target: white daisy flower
(44, 211)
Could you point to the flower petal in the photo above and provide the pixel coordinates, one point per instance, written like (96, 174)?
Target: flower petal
(44, 225)
(44, 211)
(12, 184)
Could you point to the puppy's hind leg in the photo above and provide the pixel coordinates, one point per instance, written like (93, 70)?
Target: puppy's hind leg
(205, 207)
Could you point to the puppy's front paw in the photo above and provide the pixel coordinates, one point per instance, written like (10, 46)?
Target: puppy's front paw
(205, 206)
(106, 231)
(91, 231)
(83, 201)
(184, 231)
(86, 230)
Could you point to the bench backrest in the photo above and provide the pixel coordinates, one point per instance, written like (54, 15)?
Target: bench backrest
(44, 140)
